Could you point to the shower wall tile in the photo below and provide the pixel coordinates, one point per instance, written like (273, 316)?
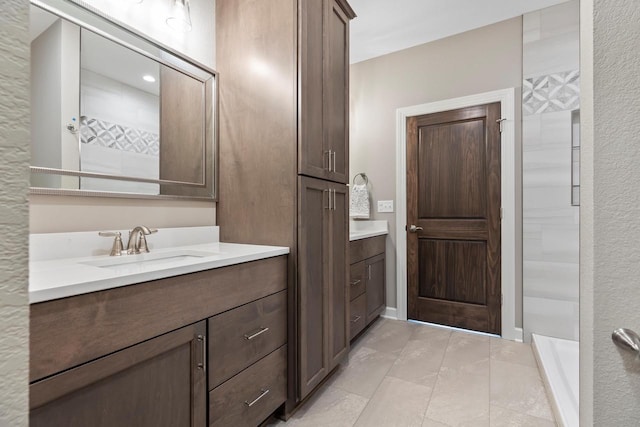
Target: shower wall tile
(552, 55)
(551, 40)
(96, 158)
(561, 19)
(551, 92)
(550, 223)
(552, 317)
(531, 27)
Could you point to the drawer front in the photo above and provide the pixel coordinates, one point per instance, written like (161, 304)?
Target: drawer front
(362, 249)
(251, 396)
(358, 315)
(240, 337)
(356, 280)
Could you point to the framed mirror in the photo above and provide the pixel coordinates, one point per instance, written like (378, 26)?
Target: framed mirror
(114, 114)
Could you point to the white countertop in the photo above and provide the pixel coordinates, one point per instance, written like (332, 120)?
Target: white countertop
(365, 229)
(64, 277)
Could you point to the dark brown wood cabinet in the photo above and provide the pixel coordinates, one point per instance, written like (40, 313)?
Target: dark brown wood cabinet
(323, 61)
(160, 382)
(284, 72)
(366, 282)
(148, 354)
(322, 277)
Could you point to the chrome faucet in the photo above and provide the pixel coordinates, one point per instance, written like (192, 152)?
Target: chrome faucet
(137, 240)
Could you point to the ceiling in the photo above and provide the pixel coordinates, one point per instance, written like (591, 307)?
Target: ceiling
(384, 26)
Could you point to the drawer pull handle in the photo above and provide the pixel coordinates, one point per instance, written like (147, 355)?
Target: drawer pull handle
(203, 345)
(355, 319)
(255, 334)
(355, 282)
(263, 393)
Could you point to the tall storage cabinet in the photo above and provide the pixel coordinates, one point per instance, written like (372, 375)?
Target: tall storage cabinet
(283, 161)
(323, 56)
(324, 340)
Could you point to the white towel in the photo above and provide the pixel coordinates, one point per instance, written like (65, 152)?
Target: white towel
(359, 202)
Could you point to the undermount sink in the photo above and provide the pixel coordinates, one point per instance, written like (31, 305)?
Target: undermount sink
(149, 259)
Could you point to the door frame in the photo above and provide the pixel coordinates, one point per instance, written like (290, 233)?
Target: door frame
(508, 164)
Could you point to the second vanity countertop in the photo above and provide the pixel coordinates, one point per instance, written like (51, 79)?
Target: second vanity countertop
(69, 276)
(365, 229)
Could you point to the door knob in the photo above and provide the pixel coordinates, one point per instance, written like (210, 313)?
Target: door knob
(627, 340)
(414, 229)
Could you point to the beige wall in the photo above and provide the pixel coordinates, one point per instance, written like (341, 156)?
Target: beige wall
(14, 244)
(50, 214)
(482, 60)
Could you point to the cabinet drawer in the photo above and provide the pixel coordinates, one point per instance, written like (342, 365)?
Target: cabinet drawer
(357, 320)
(357, 280)
(251, 396)
(244, 335)
(362, 249)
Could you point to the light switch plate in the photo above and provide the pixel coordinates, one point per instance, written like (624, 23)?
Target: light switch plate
(385, 205)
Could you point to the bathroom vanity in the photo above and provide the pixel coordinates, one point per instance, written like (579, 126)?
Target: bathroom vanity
(205, 346)
(367, 273)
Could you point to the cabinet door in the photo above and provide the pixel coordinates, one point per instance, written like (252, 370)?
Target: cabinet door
(313, 151)
(160, 382)
(375, 275)
(337, 92)
(338, 292)
(313, 269)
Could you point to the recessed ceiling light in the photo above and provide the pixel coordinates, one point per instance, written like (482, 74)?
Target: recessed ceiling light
(149, 78)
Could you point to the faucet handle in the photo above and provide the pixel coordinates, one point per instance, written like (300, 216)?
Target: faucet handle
(142, 243)
(117, 248)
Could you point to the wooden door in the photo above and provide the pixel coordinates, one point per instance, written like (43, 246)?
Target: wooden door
(453, 197)
(338, 292)
(376, 292)
(313, 268)
(337, 92)
(160, 382)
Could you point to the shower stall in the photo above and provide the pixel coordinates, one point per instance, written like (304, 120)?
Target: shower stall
(551, 198)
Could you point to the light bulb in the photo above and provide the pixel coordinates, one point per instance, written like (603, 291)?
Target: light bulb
(180, 17)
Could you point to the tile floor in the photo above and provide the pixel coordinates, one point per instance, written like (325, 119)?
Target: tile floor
(406, 374)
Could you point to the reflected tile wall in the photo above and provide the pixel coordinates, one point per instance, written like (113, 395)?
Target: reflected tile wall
(550, 223)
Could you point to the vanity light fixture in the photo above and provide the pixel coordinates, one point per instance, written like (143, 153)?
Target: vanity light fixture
(180, 18)
(149, 78)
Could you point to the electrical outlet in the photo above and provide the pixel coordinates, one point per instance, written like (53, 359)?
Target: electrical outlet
(385, 205)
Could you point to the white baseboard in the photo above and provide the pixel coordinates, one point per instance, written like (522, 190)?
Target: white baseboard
(390, 313)
(519, 334)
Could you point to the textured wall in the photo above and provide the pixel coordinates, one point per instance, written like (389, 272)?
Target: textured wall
(616, 210)
(14, 161)
(477, 61)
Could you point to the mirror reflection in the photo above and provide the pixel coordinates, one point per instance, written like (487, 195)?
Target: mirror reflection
(119, 115)
(101, 110)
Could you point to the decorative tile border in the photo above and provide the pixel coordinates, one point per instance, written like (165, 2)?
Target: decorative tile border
(105, 134)
(553, 92)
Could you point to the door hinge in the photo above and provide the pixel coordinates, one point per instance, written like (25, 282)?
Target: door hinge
(501, 213)
(500, 122)
(501, 299)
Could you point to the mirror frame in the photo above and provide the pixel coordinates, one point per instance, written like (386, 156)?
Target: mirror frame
(89, 18)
